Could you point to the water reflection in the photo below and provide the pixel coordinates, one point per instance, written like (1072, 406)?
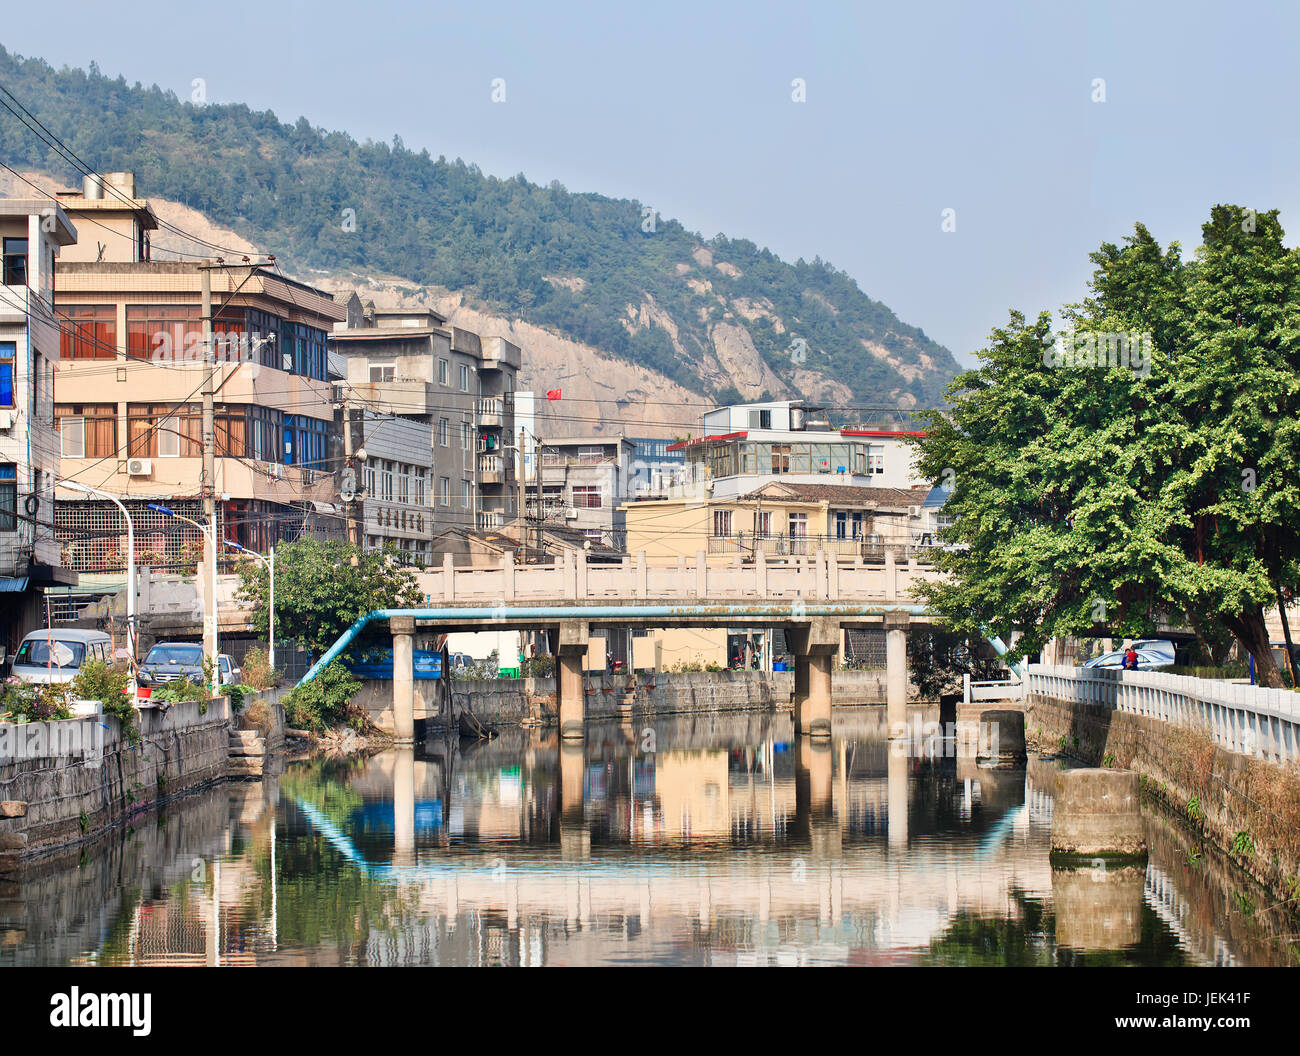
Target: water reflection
(720, 840)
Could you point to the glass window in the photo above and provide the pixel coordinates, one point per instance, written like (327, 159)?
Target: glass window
(87, 430)
(8, 358)
(466, 494)
(721, 522)
(442, 372)
(382, 373)
(444, 432)
(763, 523)
(444, 491)
(41, 652)
(8, 497)
(90, 332)
(798, 526)
(464, 378)
(15, 261)
(587, 498)
(466, 435)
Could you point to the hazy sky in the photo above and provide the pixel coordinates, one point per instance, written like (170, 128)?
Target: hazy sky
(912, 108)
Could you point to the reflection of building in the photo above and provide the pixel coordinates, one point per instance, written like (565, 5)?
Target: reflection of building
(33, 232)
(131, 378)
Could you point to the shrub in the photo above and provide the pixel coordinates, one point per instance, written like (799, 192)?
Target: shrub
(325, 701)
(108, 684)
(28, 702)
(257, 670)
(181, 689)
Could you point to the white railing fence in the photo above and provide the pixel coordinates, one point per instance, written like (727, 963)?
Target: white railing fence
(1251, 720)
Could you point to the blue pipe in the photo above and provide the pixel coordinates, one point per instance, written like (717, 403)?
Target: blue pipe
(595, 612)
(1000, 648)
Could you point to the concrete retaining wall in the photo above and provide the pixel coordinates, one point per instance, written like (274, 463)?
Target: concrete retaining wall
(508, 702)
(1218, 792)
(75, 779)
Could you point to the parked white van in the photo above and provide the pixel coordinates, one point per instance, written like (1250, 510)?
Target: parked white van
(56, 654)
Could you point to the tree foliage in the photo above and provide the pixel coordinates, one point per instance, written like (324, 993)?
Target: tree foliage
(322, 586)
(1093, 499)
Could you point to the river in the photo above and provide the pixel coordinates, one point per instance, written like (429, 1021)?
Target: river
(702, 840)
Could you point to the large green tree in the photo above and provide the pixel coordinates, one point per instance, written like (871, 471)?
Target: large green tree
(1098, 497)
(322, 586)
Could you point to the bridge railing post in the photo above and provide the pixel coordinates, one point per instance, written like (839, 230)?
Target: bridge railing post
(642, 575)
(508, 574)
(448, 578)
(701, 574)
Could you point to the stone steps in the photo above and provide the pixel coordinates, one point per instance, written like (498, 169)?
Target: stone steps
(247, 754)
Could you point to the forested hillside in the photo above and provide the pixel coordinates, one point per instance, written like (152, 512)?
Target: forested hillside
(720, 317)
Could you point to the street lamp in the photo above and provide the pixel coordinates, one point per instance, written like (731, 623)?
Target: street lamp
(209, 533)
(270, 569)
(85, 489)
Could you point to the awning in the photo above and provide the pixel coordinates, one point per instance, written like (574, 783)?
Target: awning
(328, 508)
(13, 584)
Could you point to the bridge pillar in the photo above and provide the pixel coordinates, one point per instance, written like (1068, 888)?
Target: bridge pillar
(403, 631)
(814, 645)
(575, 838)
(570, 696)
(404, 806)
(896, 669)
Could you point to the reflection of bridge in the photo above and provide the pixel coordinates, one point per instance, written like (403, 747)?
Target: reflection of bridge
(812, 598)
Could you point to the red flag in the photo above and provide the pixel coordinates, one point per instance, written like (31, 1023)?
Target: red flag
(552, 394)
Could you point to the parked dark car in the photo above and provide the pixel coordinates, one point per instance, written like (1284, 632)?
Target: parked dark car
(169, 661)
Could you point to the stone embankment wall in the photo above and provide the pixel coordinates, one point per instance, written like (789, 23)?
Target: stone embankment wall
(1220, 794)
(508, 702)
(63, 783)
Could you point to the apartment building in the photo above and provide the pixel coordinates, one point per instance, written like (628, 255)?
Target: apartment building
(130, 384)
(397, 485)
(33, 232)
(584, 483)
(745, 446)
(413, 365)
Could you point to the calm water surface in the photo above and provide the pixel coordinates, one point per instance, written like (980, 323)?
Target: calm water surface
(703, 840)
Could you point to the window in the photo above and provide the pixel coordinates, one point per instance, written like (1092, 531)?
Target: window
(163, 431)
(443, 377)
(174, 332)
(798, 526)
(15, 261)
(444, 491)
(444, 432)
(780, 458)
(466, 436)
(368, 476)
(466, 494)
(8, 497)
(464, 378)
(8, 356)
(386, 482)
(760, 419)
(89, 333)
(587, 498)
(875, 459)
(404, 486)
(721, 523)
(384, 373)
(417, 483)
(763, 523)
(841, 526)
(305, 439)
(87, 430)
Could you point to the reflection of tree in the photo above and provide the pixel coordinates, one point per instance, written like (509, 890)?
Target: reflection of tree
(1028, 939)
(326, 784)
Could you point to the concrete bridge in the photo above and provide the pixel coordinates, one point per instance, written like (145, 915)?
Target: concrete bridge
(813, 597)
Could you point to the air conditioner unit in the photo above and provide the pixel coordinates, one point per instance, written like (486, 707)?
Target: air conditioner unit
(570, 514)
(277, 471)
(6, 420)
(139, 467)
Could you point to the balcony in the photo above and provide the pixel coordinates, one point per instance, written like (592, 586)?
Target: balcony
(492, 469)
(492, 411)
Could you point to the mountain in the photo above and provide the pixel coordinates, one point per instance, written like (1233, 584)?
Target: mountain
(677, 314)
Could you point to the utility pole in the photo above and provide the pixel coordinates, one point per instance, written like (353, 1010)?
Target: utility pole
(522, 494)
(209, 489)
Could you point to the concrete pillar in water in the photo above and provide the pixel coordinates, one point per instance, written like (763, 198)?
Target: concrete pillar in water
(896, 669)
(403, 631)
(1097, 814)
(814, 646)
(1002, 739)
(404, 806)
(571, 702)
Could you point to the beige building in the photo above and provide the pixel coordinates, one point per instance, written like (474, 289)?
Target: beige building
(130, 384)
(784, 521)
